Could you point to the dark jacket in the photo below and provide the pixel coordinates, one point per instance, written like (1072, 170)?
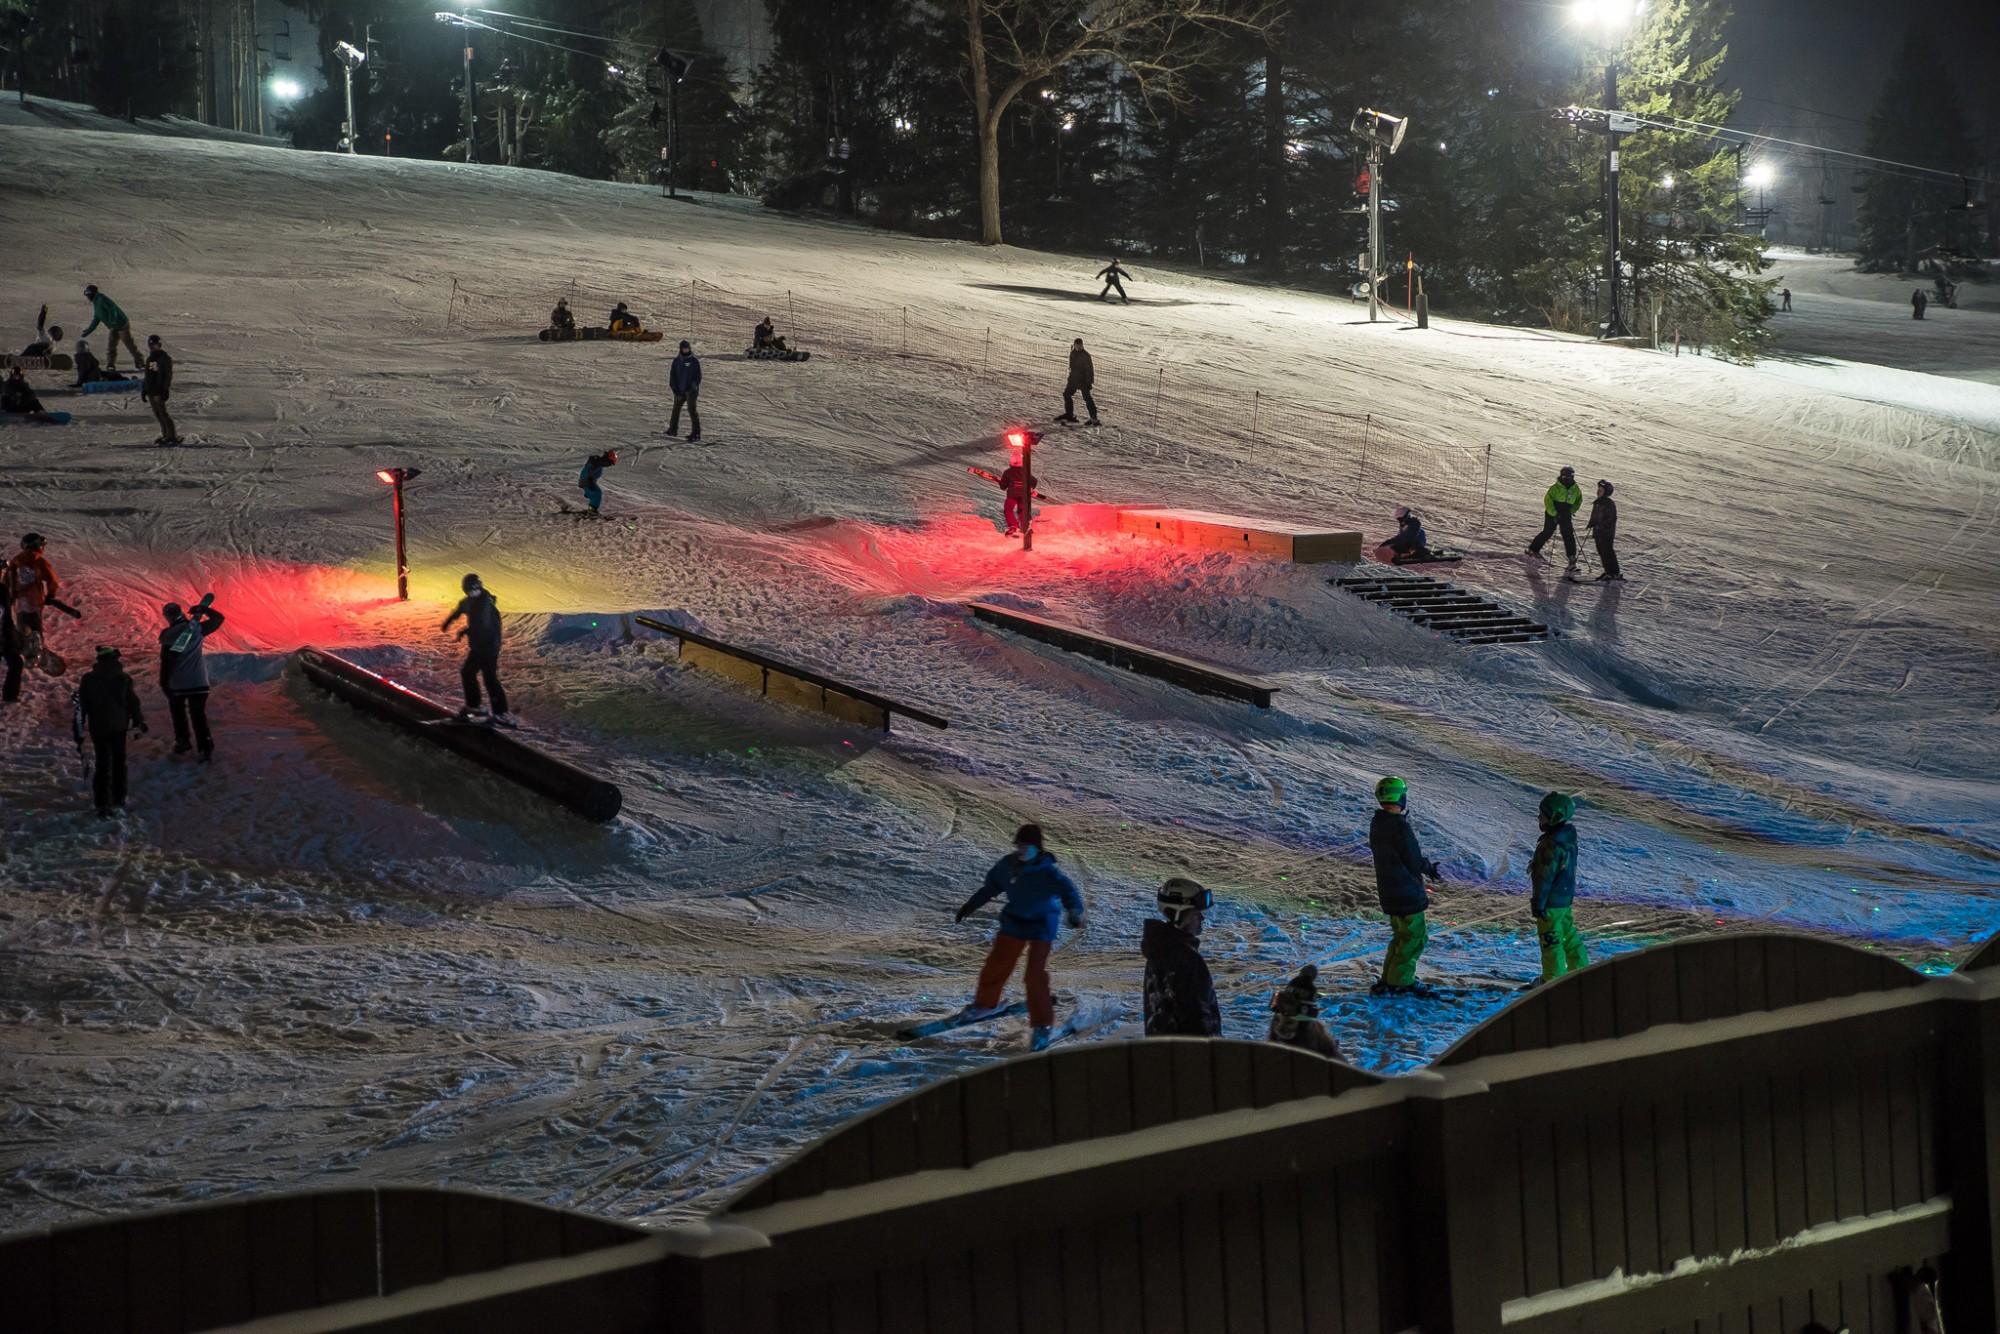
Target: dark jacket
(159, 381)
(89, 370)
(482, 621)
(1399, 864)
(1014, 478)
(183, 669)
(105, 703)
(1410, 536)
(1038, 896)
(593, 471)
(1082, 371)
(9, 636)
(1603, 518)
(1112, 270)
(1180, 995)
(562, 317)
(1552, 872)
(685, 375)
(622, 318)
(17, 395)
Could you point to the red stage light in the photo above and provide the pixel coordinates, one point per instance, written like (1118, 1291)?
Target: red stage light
(387, 477)
(1017, 439)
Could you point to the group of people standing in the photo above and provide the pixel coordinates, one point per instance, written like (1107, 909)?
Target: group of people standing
(1559, 506)
(156, 367)
(1179, 991)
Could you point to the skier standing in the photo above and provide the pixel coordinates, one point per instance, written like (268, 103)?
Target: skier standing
(1038, 896)
(1559, 503)
(1917, 303)
(157, 387)
(1552, 881)
(104, 707)
(1082, 375)
(482, 649)
(684, 378)
(1603, 530)
(33, 582)
(1113, 276)
(117, 328)
(592, 474)
(184, 674)
(1180, 994)
(1400, 871)
(1786, 294)
(1295, 1020)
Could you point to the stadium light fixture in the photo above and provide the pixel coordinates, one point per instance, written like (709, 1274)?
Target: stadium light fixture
(395, 477)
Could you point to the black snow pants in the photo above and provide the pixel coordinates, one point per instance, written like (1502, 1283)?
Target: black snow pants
(1606, 556)
(190, 711)
(483, 663)
(108, 783)
(1551, 524)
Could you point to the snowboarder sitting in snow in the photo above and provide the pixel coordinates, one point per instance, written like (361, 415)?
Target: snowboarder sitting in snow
(1552, 878)
(1180, 995)
(482, 649)
(89, 370)
(46, 337)
(1019, 488)
(765, 338)
(103, 709)
(1295, 1020)
(1410, 545)
(1603, 530)
(623, 320)
(1038, 895)
(561, 322)
(592, 474)
(1400, 871)
(17, 396)
(1558, 505)
(184, 674)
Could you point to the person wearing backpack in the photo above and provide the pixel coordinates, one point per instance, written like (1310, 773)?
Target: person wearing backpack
(184, 673)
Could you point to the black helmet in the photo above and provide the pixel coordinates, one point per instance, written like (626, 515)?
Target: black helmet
(470, 583)
(33, 541)
(90, 289)
(1608, 488)
(172, 611)
(1180, 896)
(1567, 471)
(152, 340)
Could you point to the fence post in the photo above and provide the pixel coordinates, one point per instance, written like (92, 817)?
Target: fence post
(1256, 402)
(1367, 425)
(1159, 387)
(905, 349)
(693, 294)
(1485, 484)
(791, 313)
(1453, 1214)
(451, 304)
(987, 355)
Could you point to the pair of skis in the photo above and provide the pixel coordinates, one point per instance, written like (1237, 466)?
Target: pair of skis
(1066, 1029)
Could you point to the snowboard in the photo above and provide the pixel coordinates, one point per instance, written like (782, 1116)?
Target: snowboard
(111, 386)
(994, 478)
(773, 354)
(35, 418)
(485, 720)
(594, 334)
(949, 1022)
(1437, 556)
(54, 361)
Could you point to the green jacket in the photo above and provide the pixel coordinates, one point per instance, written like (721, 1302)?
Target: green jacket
(1571, 495)
(104, 311)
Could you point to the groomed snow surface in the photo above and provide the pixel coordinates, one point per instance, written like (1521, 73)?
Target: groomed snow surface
(338, 955)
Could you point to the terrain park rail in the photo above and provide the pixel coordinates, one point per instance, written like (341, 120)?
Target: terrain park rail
(1201, 677)
(560, 781)
(790, 682)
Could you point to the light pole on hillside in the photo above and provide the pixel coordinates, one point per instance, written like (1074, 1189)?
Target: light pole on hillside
(1610, 18)
(395, 477)
(1383, 135)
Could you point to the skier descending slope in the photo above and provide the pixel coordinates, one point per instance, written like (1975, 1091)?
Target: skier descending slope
(482, 650)
(1038, 895)
(1180, 994)
(1400, 871)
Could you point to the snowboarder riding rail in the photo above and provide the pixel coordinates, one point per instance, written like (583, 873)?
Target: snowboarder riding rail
(482, 650)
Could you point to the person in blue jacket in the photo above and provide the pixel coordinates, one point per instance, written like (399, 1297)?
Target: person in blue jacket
(592, 477)
(685, 380)
(1039, 896)
(1552, 888)
(1400, 872)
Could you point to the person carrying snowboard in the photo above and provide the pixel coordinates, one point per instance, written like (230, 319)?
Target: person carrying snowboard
(562, 323)
(1019, 488)
(1114, 276)
(1295, 1020)
(103, 708)
(1400, 872)
(1180, 994)
(1559, 503)
(684, 378)
(1603, 530)
(592, 474)
(1552, 883)
(157, 387)
(482, 650)
(184, 674)
(33, 583)
(1082, 375)
(1038, 896)
(117, 328)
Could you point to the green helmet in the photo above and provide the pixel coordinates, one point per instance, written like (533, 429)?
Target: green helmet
(1557, 808)
(1391, 790)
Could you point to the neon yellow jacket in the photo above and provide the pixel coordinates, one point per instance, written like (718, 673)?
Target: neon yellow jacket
(1571, 495)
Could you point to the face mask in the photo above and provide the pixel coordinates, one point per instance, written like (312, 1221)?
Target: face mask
(1029, 852)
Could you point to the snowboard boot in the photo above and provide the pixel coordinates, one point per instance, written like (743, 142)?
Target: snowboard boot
(1093, 422)
(694, 437)
(1038, 1040)
(1069, 417)
(672, 433)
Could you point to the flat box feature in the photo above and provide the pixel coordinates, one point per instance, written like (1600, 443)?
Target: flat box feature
(1233, 532)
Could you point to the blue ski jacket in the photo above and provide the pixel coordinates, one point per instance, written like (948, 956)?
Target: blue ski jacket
(1038, 894)
(685, 376)
(1552, 873)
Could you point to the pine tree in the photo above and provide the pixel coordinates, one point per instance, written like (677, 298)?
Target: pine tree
(1918, 121)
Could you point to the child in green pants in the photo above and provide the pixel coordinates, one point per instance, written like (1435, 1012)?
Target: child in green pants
(1552, 877)
(1400, 871)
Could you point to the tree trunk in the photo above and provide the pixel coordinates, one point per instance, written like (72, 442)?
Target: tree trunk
(986, 117)
(1275, 153)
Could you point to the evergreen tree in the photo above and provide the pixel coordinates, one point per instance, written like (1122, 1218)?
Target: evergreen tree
(1918, 120)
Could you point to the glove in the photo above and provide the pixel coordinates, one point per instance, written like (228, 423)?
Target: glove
(1075, 921)
(1433, 870)
(961, 914)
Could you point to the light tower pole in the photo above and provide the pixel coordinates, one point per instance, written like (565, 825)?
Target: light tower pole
(1383, 135)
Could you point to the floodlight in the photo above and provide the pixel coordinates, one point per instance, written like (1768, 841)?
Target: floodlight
(1609, 15)
(1761, 175)
(287, 90)
(1379, 127)
(350, 54)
